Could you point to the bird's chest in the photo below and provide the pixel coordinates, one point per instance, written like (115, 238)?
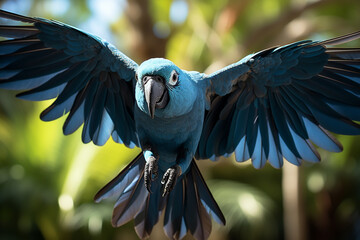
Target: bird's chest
(168, 134)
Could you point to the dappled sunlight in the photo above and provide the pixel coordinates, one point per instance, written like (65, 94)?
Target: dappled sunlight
(17, 172)
(78, 170)
(248, 211)
(66, 202)
(249, 205)
(315, 182)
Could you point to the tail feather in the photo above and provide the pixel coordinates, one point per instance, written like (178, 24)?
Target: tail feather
(206, 198)
(149, 215)
(174, 225)
(129, 203)
(122, 180)
(188, 207)
(197, 219)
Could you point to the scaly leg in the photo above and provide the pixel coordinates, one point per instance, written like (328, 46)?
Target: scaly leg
(151, 168)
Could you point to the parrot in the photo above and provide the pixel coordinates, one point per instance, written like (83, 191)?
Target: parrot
(272, 106)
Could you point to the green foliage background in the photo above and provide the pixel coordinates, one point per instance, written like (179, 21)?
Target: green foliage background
(47, 180)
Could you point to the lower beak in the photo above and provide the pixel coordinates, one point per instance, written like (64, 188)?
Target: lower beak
(156, 94)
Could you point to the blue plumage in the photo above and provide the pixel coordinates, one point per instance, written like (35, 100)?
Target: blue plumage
(269, 106)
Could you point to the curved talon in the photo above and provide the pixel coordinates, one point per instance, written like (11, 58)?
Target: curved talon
(150, 172)
(169, 179)
(147, 179)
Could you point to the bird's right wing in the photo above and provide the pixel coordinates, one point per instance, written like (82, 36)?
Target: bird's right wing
(89, 77)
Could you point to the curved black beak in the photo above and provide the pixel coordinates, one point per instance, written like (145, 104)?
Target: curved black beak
(156, 94)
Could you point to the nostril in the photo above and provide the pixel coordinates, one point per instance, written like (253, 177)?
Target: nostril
(145, 79)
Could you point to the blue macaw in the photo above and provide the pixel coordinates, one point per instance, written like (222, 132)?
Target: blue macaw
(269, 106)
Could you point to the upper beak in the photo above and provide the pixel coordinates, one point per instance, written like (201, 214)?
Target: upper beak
(156, 94)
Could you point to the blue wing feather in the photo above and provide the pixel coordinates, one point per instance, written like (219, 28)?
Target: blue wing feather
(282, 125)
(241, 151)
(74, 120)
(97, 109)
(293, 118)
(348, 111)
(321, 137)
(305, 148)
(11, 46)
(263, 129)
(58, 80)
(251, 128)
(18, 31)
(275, 157)
(288, 154)
(55, 110)
(258, 156)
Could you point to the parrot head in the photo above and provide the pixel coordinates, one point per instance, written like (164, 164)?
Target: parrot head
(163, 89)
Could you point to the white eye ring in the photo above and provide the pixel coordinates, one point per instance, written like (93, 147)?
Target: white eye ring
(173, 78)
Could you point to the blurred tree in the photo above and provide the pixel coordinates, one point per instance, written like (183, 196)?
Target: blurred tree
(146, 44)
(47, 180)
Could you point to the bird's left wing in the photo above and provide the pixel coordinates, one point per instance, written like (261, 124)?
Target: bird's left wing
(278, 102)
(89, 78)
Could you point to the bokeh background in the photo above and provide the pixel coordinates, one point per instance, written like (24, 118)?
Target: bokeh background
(47, 180)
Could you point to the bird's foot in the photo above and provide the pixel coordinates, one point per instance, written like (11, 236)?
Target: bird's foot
(150, 172)
(169, 179)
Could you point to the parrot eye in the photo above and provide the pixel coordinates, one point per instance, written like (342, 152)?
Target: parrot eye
(174, 78)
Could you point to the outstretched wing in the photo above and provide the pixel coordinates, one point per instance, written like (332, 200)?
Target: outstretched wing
(89, 78)
(278, 102)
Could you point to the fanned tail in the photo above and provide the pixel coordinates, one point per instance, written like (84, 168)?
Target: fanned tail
(187, 208)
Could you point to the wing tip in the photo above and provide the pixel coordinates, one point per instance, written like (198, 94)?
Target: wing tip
(16, 17)
(342, 39)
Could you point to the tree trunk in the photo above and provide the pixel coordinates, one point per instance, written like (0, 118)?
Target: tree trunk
(144, 43)
(294, 219)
